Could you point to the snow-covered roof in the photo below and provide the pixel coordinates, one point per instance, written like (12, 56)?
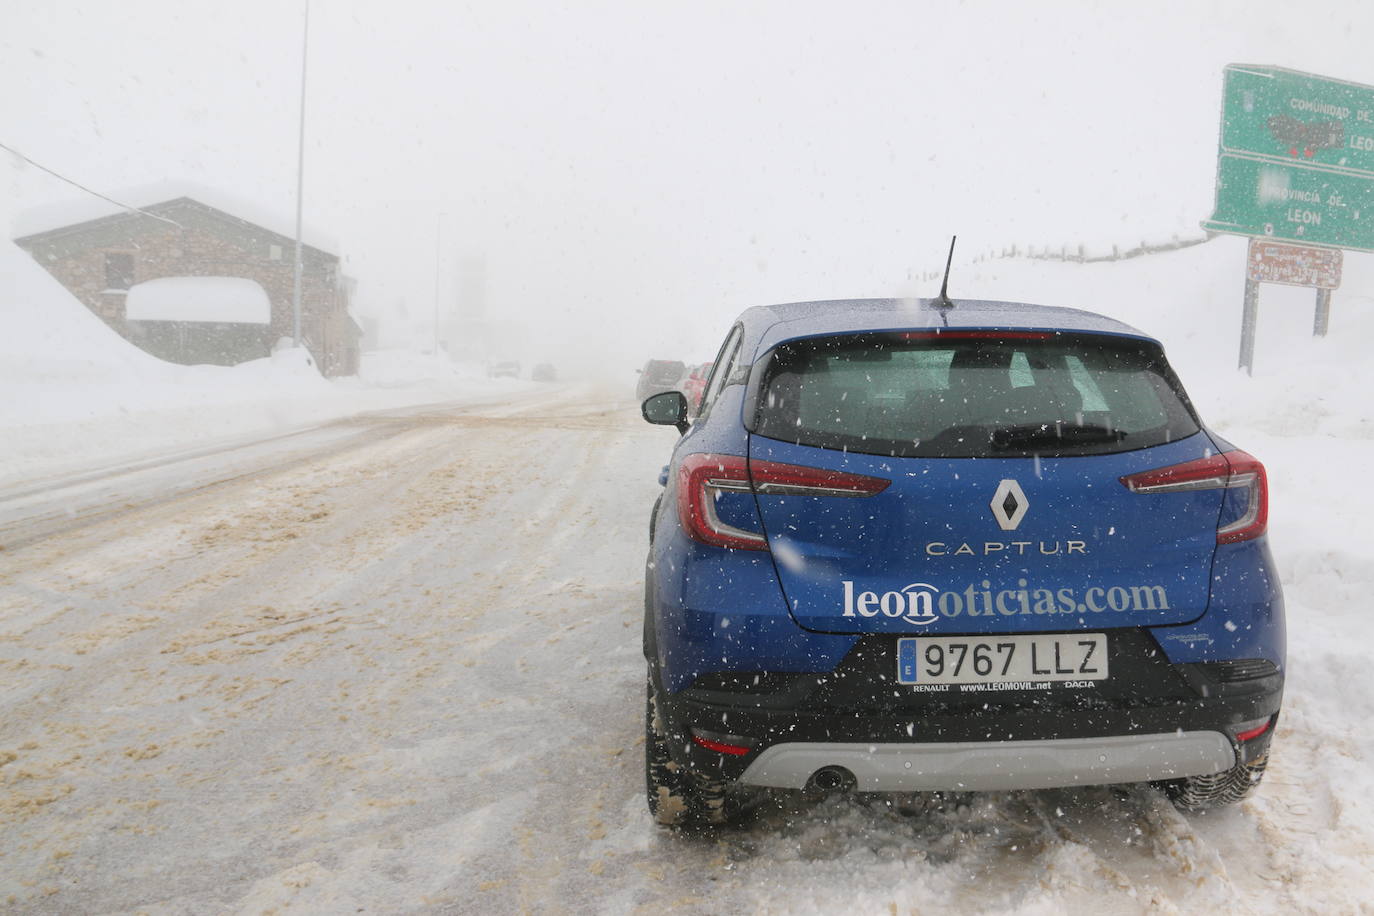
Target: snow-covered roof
(224, 299)
(74, 212)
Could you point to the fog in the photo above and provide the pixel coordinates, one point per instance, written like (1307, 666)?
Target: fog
(626, 178)
(366, 635)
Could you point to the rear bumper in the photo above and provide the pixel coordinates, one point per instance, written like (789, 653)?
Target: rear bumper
(1010, 747)
(997, 765)
(1153, 720)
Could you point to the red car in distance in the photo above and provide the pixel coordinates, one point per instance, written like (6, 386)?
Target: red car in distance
(693, 385)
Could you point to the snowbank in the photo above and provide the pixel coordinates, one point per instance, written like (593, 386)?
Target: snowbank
(402, 368)
(76, 394)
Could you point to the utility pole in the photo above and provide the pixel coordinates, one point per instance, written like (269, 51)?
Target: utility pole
(438, 261)
(300, 189)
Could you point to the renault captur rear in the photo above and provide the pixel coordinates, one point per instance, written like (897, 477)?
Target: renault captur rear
(921, 545)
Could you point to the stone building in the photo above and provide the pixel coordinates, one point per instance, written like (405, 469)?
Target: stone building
(100, 259)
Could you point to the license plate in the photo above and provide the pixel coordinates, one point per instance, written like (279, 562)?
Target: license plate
(1002, 659)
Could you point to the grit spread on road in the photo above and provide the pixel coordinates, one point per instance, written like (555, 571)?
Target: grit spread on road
(394, 665)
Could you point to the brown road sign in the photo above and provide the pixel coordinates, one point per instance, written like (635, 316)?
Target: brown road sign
(1294, 265)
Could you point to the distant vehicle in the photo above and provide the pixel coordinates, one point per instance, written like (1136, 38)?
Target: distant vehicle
(505, 369)
(964, 546)
(693, 385)
(544, 372)
(659, 375)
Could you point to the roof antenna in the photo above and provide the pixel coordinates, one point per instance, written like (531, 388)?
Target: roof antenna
(943, 304)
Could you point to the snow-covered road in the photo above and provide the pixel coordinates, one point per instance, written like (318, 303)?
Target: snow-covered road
(396, 667)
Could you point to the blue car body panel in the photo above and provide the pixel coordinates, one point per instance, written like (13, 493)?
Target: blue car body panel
(1084, 543)
(1246, 616)
(717, 609)
(722, 610)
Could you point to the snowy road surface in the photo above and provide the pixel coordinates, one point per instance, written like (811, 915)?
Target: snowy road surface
(395, 666)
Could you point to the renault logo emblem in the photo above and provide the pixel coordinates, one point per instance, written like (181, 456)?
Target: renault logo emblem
(1009, 505)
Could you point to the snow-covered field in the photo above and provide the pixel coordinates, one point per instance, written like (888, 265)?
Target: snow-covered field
(394, 665)
(77, 396)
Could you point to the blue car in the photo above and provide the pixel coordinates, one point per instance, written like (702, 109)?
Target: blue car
(921, 545)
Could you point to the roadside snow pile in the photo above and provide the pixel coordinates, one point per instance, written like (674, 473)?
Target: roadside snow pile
(75, 392)
(397, 368)
(74, 388)
(54, 344)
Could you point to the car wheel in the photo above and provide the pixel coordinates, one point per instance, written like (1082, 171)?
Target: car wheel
(1199, 793)
(675, 796)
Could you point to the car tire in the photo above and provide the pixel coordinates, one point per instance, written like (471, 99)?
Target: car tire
(1200, 793)
(676, 797)
(653, 517)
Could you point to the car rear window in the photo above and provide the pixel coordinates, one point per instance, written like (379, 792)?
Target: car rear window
(971, 394)
(664, 370)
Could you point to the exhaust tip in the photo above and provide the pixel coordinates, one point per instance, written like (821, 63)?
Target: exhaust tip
(832, 779)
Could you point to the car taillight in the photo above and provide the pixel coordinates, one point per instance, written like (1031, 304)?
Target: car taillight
(1249, 731)
(702, 478)
(1229, 471)
(735, 745)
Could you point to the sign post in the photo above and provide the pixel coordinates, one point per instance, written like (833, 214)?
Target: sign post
(1296, 165)
(1249, 317)
(1323, 316)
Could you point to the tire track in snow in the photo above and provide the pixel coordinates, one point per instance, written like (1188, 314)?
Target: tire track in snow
(430, 696)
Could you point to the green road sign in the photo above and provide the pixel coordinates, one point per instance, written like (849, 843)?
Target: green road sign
(1300, 117)
(1296, 164)
(1263, 198)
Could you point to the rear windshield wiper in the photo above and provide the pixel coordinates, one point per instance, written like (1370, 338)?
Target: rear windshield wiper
(1032, 434)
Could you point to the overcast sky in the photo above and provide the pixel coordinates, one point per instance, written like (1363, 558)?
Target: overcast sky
(633, 174)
